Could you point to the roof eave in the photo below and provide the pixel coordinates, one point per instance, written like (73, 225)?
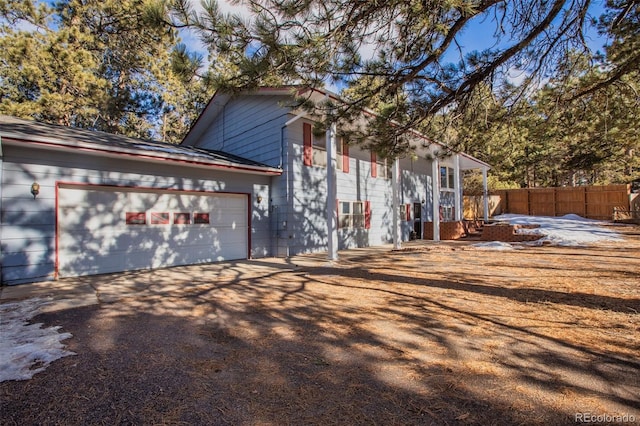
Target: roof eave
(96, 149)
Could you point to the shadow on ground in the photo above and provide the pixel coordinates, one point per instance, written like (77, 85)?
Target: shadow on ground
(397, 339)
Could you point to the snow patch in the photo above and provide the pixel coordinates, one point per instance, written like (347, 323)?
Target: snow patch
(494, 245)
(567, 230)
(27, 349)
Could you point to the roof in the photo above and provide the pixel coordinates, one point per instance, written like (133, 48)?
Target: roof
(20, 131)
(220, 99)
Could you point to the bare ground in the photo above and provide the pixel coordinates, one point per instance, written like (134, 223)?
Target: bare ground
(434, 334)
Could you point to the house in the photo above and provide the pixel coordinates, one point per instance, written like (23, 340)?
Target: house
(77, 202)
(356, 185)
(251, 179)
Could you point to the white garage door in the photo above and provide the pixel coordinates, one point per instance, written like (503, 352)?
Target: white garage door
(104, 230)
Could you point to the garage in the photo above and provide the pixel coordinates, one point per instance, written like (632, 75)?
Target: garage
(101, 229)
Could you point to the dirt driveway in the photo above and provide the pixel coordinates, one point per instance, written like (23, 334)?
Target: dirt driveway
(435, 334)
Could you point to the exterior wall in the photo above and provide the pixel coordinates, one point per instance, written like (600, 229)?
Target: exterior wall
(27, 227)
(253, 127)
(250, 127)
(358, 185)
(416, 187)
(307, 223)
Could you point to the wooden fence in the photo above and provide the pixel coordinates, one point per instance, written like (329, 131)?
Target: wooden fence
(474, 206)
(593, 202)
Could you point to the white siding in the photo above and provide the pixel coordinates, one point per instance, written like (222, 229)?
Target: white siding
(27, 232)
(250, 127)
(307, 222)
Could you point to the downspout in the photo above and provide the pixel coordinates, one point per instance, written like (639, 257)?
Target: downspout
(1, 210)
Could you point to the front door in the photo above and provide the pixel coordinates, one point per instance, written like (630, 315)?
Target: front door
(417, 220)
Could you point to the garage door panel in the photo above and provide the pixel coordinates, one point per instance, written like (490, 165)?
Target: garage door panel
(81, 264)
(94, 237)
(230, 236)
(228, 219)
(88, 217)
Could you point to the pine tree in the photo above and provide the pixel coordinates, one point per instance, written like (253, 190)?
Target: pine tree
(104, 65)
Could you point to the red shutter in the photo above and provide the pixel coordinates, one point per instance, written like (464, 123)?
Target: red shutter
(337, 214)
(374, 165)
(345, 157)
(408, 207)
(308, 147)
(367, 214)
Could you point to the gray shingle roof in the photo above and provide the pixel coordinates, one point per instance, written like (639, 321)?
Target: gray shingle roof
(12, 127)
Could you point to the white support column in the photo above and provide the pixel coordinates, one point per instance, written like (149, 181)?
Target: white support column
(436, 198)
(395, 194)
(457, 187)
(485, 193)
(332, 208)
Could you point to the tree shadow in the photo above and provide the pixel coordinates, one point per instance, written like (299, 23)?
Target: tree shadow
(462, 282)
(249, 343)
(30, 244)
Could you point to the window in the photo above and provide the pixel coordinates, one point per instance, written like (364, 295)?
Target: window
(201, 218)
(315, 147)
(447, 194)
(447, 213)
(381, 167)
(405, 212)
(136, 218)
(447, 177)
(159, 218)
(388, 164)
(320, 150)
(447, 206)
(354, 214)
(181, 218)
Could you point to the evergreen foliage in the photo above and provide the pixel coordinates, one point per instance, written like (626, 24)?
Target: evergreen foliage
(102, 65)
(120, 66)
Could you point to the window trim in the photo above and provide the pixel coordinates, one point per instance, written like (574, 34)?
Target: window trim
(354, 218)
(342, 154)
(449, 181)
(182, 218)
(314, 147)
(381, 167)
(136, 218)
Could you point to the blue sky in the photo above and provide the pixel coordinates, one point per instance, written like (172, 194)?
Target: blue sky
(476, 37)
(473, 37)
